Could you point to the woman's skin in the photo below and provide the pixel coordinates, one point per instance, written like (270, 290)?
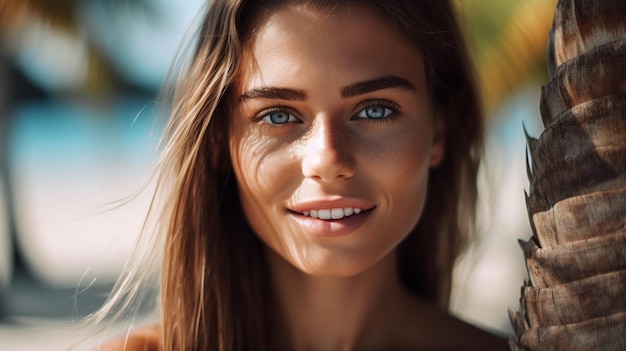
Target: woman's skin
(328, 77)
(332, 111)
(147, 339)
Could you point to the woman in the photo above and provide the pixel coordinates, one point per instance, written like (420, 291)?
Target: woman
(322, 158)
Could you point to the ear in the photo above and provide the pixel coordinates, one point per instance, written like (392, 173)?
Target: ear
(438, 149)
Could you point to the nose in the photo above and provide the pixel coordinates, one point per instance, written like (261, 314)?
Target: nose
(328, 152)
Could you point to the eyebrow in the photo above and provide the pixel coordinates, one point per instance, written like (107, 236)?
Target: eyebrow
(373, 85)
(352, 90)
(274, 93)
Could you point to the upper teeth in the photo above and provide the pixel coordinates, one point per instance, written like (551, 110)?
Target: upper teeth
(335, 213)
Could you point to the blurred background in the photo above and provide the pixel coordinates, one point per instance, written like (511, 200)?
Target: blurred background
(79, 124)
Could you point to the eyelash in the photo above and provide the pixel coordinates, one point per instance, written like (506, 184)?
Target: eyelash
(395, 109)
(274, 109)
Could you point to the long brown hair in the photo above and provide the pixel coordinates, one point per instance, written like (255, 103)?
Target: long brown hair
(213, 289)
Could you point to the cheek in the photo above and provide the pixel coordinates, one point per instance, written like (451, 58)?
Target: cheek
(252, 161)
(262, 191)
(410, 187)
(402, 173)
(263, 172)
(264, 175)
(242, 153)
(253, 190)
(401, 160)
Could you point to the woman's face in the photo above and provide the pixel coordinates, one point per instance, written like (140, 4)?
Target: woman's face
(332, 138)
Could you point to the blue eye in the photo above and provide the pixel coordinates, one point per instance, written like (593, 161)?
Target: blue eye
(375, 112)
(279, 117)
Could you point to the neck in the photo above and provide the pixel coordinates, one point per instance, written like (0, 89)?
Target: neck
(337, 313)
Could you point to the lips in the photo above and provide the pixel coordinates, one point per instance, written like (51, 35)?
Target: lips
(331, 208)
(335, 217)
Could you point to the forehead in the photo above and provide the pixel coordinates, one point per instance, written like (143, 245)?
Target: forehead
(348, 42)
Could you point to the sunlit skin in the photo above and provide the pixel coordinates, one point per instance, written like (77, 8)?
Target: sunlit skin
(333, 114)
(333, 111)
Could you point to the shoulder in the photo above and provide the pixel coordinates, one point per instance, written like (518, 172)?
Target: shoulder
(145, 339)
(473, 338)
(435, 328)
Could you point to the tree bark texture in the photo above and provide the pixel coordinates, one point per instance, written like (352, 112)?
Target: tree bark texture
(575, 298)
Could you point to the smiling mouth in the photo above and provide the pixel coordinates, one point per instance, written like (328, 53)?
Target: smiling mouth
(329, 214)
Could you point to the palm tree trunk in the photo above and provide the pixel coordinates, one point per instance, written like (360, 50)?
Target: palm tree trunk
(576, 296)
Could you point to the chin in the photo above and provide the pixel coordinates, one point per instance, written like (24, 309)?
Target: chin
(336, 267)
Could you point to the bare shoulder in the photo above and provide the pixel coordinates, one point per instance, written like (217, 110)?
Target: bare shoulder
(436, 329)
(145, 339)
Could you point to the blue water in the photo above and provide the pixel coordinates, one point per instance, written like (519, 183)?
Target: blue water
(57, 134)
